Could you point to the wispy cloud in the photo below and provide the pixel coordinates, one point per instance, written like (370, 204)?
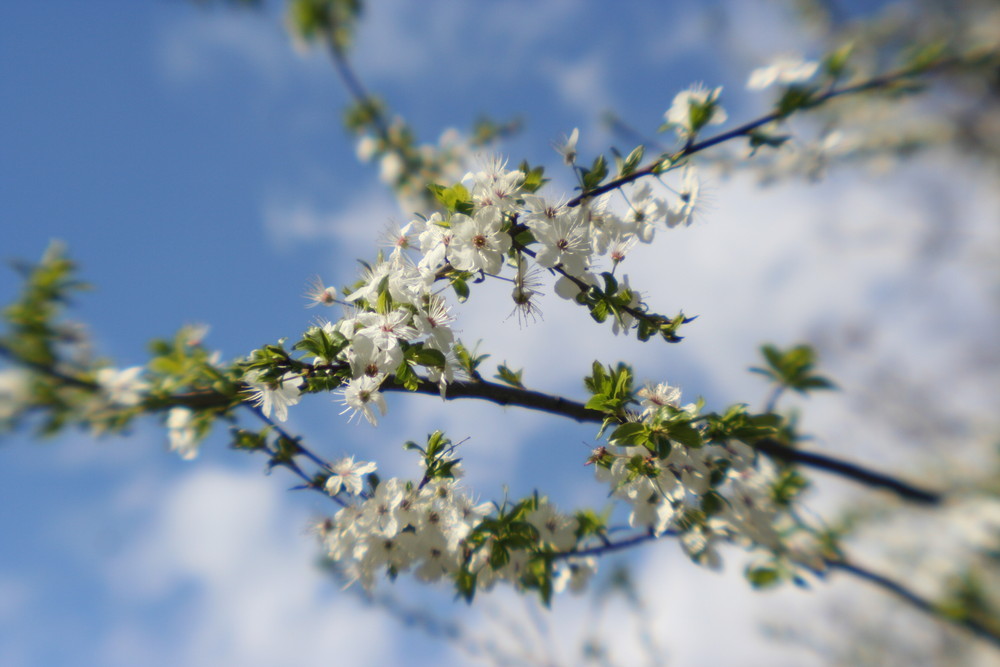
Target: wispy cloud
(351, 227)
(232, 546)
(207, 47)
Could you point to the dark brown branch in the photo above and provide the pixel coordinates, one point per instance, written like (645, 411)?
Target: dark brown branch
(610, 547)
(883, 582)
(923, 604)
(300, 449)
(556, 405)
(783, 452)
(45, 369)
(358, 91)
(747, 128)
(508, 396)
(533, 400)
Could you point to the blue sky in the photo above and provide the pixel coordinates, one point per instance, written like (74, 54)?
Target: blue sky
(193, 162)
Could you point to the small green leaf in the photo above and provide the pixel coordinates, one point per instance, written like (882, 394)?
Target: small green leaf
(686, 434)
(461, 287)
(629, 434)
(533, 177)
(763, 577)
(597, 172)
(427, 356)
(405, 376)
(507, 376)
(796, 97)
(836, 62)
(632, 161)
(455, 199)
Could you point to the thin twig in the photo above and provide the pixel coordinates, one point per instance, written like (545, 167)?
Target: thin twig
(744, 130)
(923, 604)
(358, 91)
(45, 369)
(879, 580)
(300, 449)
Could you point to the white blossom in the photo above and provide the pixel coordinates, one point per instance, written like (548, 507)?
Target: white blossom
(694, 108)
(346, 474)
(681, 211)
(181, 433)
(478, 243)
(122, 387)
(361, 396)
(14, 391)
(274, 396)
(785, 69)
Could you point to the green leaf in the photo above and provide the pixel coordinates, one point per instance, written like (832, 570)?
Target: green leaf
(796, 97)
(629, 434)
(595, 381)
(507, 376)
(686, 434)
(600, 403)
(788, 487)
(455, 199)
(597, 172)
(499, 555)
(763, 577)
(600, 311)
(465, 584)
(815, 382)
(632, 161)
(461, 287)
(792, 368)
(469, 360)
(405, 376)
(836, 62)
(590, 523)
(248, 440)
(533, 177)
(926, 55)
(759, 139)
(610, 284)
(712, 503)
(427, 356)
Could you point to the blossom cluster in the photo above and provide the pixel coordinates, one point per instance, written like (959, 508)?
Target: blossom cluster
(497, 222)
(433, 529)
(708, 491)
(407, 167)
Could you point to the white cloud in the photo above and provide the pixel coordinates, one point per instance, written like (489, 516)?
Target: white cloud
(583, 85)
(204, 47)
(233, 548)
(351, 227)
(399, 39)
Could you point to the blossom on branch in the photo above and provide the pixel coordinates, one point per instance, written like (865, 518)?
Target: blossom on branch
(122, 387)
(346, 474)
(361, 396)
(181, 433)
(274, 396)
(693, 109)
(784, 69)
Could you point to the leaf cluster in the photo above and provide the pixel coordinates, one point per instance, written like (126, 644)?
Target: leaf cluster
(792, 368)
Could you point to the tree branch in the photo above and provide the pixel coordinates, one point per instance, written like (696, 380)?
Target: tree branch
(358, 91)
(745, 129)
(535, 400)
(300, 449)
(923, 604)
(883, 582)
